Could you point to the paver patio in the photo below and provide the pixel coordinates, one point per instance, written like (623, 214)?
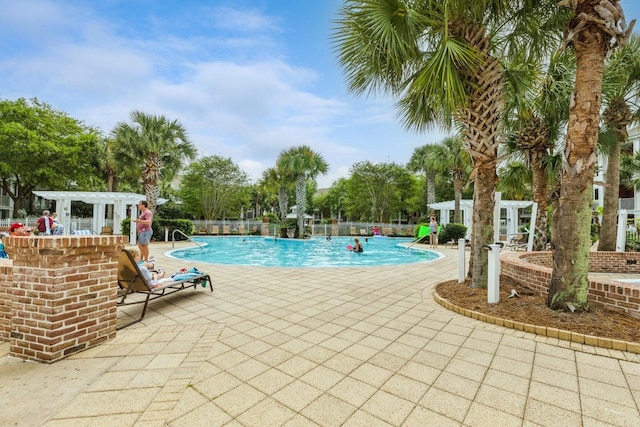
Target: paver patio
(326, 347)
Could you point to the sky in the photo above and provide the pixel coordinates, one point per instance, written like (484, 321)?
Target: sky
(246, 78)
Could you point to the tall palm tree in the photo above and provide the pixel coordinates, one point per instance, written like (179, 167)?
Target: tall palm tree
(453, 161)
(534, 129)
(420, 161)
(158, 144)
(302, 163)
(442, 59)
(592, 33)
(620, 91)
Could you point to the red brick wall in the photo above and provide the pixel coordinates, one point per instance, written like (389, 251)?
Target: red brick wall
(6, 278)
(63, 294)
(534, 270)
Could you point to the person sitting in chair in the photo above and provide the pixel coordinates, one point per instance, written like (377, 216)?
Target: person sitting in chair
(153, 278)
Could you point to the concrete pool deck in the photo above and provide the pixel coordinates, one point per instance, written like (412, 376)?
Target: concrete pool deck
(357, 346)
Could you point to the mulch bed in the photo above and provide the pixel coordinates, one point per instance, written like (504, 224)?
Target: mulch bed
(531, 308)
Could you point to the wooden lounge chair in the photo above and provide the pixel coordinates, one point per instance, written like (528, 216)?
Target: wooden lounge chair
(203, 230)
(215, 229)
(226, 229)
(352, 231)
(131, 280)
(363, 232)
(241, 229)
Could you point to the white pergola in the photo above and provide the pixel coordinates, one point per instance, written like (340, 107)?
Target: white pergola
(466, 206)
(99, 200)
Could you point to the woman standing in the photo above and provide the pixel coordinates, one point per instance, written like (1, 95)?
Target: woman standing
(433, 232)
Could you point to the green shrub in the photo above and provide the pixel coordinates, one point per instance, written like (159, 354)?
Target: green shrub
(453, 232)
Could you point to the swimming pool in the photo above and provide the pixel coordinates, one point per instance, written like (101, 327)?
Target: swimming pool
(316, 252)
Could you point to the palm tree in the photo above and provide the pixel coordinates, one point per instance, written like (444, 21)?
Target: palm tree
(302, 163)
(161, 146)
(453, 161)
(420, 162)
(442, 59)
(592, 33)
(274, 180)
(515, 180)
(534, 127)
(620, 90)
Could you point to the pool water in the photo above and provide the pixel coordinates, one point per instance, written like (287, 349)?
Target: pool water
(316, 252)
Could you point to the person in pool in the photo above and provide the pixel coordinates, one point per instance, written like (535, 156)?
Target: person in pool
(357, 247)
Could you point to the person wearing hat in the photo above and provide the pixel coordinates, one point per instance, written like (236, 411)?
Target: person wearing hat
(19, 229)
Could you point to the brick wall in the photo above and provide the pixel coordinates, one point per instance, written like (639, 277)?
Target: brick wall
(6, 278)
(63, 294)
(534, 270)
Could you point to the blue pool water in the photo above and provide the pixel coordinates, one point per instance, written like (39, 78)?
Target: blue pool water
(316, 252)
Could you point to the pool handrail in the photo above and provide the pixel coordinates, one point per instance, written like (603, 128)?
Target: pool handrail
(173, 238)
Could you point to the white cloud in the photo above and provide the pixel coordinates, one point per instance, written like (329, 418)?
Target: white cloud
(235, 100)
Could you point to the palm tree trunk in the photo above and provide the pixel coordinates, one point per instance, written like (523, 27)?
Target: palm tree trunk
(301, 202)
(483, 202)
(608, 231)
(571, 256)
(540, 197)
(457, 196)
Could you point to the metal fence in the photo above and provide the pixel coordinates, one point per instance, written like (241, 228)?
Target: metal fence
(246, 226)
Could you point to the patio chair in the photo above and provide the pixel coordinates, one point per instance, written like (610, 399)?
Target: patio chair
(352, 231)
(226, 229)
(131, 280)
(241, 230)
(363, 232)
(215, 229)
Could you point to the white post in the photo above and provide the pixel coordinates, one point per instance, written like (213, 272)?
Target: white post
(621, 236)
(493, 285)
(532, 226)
(133, 227)
(461, 260)
(496, 217)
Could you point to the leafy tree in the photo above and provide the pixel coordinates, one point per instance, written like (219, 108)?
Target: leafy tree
(442, 59)
(379, 189)
(302, 163)
(592, 33)
(620, 90)
(43, 148)
(214, 185)
(154, 146)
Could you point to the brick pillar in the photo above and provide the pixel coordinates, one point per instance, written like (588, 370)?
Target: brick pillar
(6, 279)
(63, 295)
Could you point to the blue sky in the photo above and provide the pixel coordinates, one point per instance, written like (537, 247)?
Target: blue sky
(247, 78)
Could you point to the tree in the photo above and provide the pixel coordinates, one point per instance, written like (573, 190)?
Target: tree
(154, 145)
(515, 181)
(274, 181)
(43, 148)
(442, 59)
(214, 185)
(422, 161)
(592, 33)
(456, 164)
(534, 128)
(302, 163)
(379, 189)
(620, 90)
